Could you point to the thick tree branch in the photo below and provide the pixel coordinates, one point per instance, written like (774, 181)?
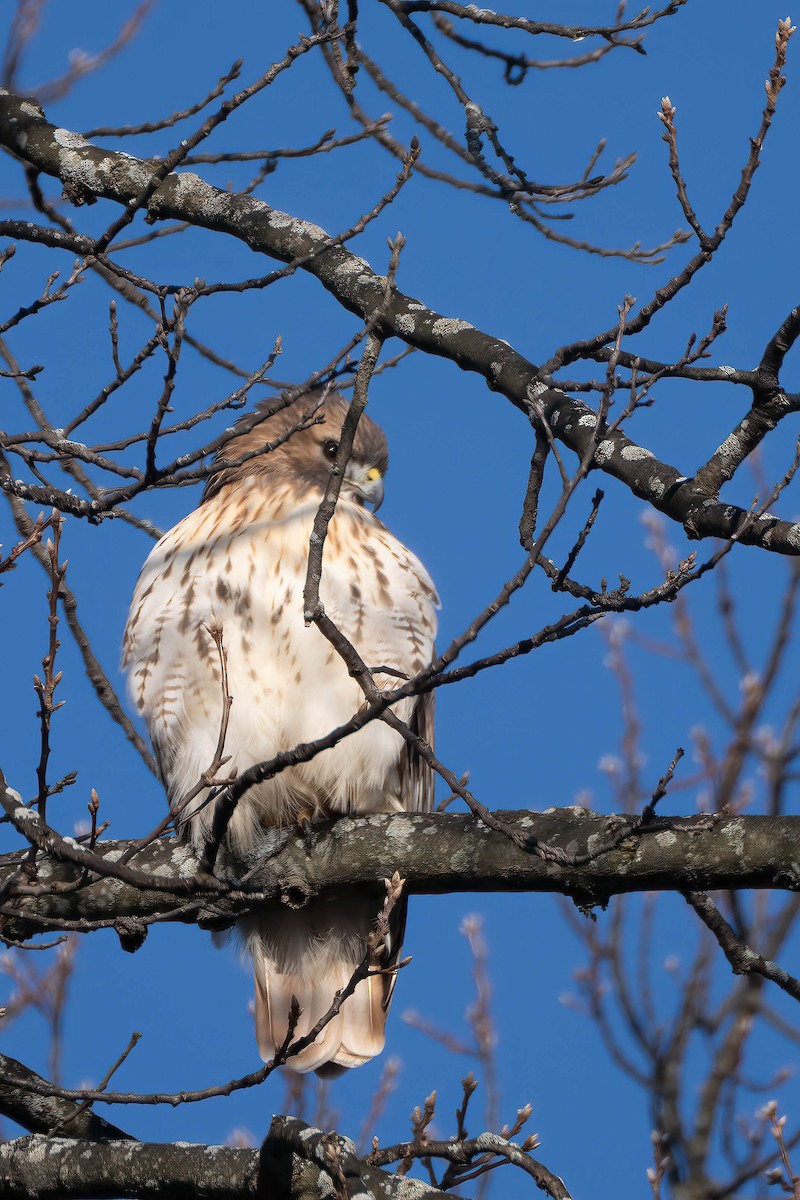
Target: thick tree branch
(89, 173)
(43, 1114)
(294, 1162)
(294, 1156)
(435, 853)
(41, 1168)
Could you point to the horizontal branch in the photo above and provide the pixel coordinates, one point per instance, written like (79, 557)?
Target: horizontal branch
(484, 16)
(436, 853)
(294, 1161)
(89, 172)
(42, 1168)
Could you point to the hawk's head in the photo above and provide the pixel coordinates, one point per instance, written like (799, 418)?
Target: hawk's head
(298, 445)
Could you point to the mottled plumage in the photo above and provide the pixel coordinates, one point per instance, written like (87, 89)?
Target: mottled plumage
(239, 562)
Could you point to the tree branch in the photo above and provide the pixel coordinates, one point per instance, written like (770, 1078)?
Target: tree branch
(42, 1114)
(434, 853)
(40, 1168)
(742, 958)
(294, 1161)
(89, 173)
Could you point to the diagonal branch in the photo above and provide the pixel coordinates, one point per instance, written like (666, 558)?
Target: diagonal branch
(357, 288)
(41, 1114)
(742, 958)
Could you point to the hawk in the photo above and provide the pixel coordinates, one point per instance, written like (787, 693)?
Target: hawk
(238, 564)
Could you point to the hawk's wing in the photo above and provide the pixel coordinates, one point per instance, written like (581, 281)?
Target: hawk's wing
(416, 777)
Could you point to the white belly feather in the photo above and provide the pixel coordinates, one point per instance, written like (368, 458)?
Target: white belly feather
(246, 573)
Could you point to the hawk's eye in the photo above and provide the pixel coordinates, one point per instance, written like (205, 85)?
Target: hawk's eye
(329, 449)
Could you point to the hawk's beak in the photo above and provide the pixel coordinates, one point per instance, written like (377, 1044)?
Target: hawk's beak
(365, 484)
(371, 488)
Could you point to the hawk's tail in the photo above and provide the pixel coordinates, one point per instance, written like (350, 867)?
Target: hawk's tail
(310, 954)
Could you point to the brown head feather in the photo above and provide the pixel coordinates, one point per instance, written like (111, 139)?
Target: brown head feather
(304, 430)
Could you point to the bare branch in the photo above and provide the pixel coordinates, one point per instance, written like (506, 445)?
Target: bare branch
(666, 854)
(743, 960)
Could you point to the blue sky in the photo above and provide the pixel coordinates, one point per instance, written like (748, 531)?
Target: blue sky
(531, 734)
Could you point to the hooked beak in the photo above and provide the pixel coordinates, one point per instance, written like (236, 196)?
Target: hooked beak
(368, 487)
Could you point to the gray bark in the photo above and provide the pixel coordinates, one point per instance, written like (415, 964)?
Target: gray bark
(43, 1114)
(435, 853)
(295, 1162)
(89, 173)
(41, 1168)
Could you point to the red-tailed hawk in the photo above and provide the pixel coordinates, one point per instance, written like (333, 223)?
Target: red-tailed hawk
(239, 562)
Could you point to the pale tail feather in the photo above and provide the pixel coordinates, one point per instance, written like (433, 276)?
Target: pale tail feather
(311, 953)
